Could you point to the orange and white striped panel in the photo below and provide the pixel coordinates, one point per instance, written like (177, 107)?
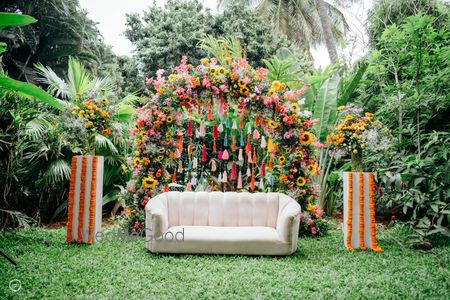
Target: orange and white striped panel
(85, 199)
(359, 211)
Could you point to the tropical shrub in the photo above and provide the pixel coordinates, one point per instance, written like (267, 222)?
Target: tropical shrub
(407, 86)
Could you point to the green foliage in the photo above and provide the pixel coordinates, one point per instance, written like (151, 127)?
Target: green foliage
(421, 187)
(386, 12)
(11, 20)
(223, 49)
(287, 67)
(407, 85)
(28, 90)
(164, 34)
(63, 29)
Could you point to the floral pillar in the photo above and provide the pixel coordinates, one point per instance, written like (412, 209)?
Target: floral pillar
(85, 199)
(359, 211)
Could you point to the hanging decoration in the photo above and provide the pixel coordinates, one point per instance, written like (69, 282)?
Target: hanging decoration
(227, 125)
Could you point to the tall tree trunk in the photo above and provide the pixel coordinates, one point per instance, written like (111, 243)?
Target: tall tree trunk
(326, 30)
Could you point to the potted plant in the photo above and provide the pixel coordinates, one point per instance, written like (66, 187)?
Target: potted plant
(357, 135)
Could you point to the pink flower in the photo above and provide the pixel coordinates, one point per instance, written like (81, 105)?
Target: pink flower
(148, 81)
(311, 222)
(313, 231)
(206, 83)
(302, 218)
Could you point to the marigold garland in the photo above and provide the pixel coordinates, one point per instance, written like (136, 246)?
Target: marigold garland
(373, 233)
(361, 211)
(349, 212)
(73, 175)
(93, 198)
(82, 190)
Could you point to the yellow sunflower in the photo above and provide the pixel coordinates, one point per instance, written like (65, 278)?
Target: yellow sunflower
(312, 169)
(295, 107)
(160, 158)
(281, 159)
(213, 71)
(241, 83)
(301, 181)
(161, 150)
(276, 85)
(273, 124)
(306, 138)
(149, 182)
(169, 119)
(244, 90)
(104, 100)
(288, 150)
(137, 161)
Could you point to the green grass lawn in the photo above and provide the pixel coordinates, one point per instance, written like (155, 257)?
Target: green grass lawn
(321, 268)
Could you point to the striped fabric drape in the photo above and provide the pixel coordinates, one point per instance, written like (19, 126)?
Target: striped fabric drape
(359, 211)
(85, 199)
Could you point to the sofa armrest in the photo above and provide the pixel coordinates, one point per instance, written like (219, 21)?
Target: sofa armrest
(156, 218)
(288, 219)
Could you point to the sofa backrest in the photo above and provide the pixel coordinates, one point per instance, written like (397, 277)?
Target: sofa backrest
(221, 209)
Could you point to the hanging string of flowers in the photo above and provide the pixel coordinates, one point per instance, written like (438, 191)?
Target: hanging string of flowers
(73, 171)
(81, 208)
(92, 199)
(373, 233)
(348, 240)
(361, 211)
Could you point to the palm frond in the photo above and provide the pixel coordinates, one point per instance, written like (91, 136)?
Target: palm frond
(56, 85)
(21, 219)
(58, 171)
(36, 129)
(103, 83)
(79, 79)
(125, 112)
(103, 142)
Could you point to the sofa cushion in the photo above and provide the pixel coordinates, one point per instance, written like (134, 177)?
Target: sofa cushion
(247, 240)
(221, 209)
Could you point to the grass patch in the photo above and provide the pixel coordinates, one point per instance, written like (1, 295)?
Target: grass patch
(321, 268)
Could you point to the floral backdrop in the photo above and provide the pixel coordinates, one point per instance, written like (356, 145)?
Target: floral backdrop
(218, 127)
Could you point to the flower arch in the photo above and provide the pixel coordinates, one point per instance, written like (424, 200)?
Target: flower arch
(221, 127)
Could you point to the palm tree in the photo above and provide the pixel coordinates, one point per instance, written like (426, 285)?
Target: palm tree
(305, 22)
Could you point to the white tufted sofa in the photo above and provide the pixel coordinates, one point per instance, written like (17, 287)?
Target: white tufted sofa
(222, 223)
